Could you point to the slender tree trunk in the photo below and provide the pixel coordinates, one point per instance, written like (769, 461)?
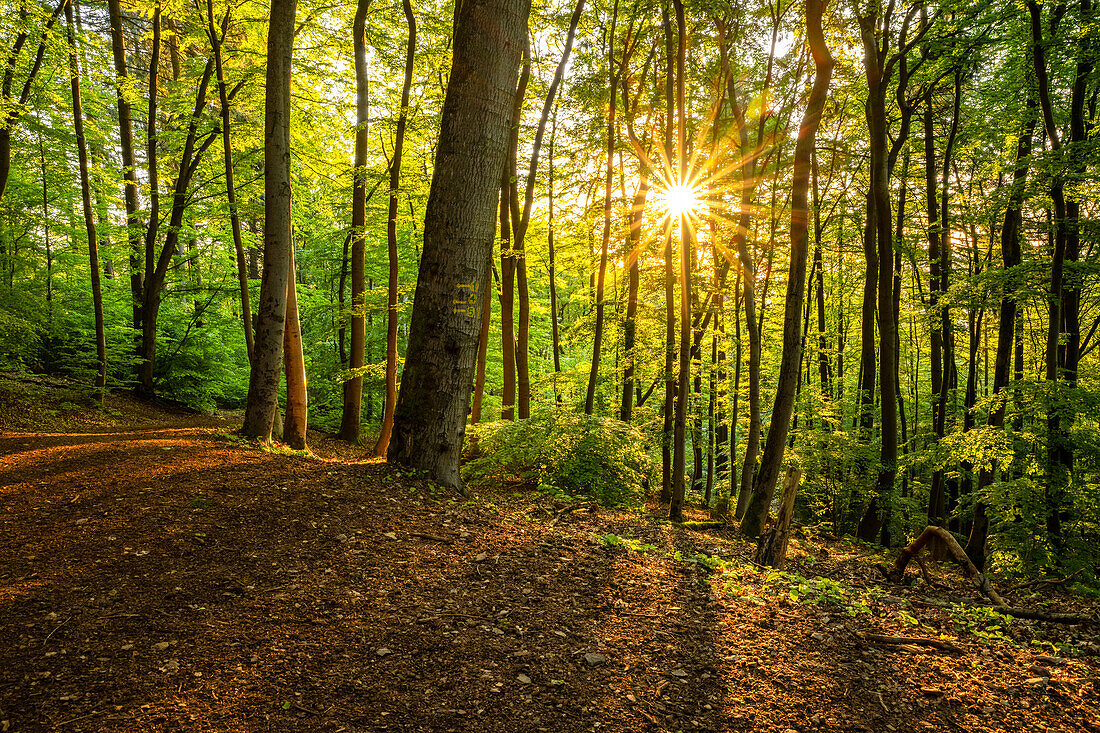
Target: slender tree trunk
(230, 188)
(597, 338)
(430, 418)
(679, 436)
(482, 345)
(670, 296)
(771, 461)
(1006, 329)
(263, 383)
(391, 237)
(129, 172)
(294, 366)
(633, 273)
(351, 416)
(555, 336)
(89, 214)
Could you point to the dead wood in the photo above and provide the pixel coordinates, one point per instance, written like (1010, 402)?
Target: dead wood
(914, 641)
(896, 573)
(590, 505)
(771, 550)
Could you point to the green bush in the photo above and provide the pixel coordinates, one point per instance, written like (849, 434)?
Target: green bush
(560, 450)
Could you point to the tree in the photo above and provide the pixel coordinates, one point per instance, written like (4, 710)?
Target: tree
(263, 382)
(353, 386)
(391, 238)
(771, 462)
(430, 415)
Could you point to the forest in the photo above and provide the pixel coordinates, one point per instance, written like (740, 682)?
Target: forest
(728, 239)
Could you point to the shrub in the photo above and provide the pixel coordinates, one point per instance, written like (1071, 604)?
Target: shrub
(560, 450)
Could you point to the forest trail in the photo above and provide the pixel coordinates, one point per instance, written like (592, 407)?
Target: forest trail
(166, 577)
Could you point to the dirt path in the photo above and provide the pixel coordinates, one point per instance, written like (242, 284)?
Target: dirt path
(168, 578)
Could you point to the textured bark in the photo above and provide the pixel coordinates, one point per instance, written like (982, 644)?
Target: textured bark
(790, 366)
(263, 382)
(555, 336)
(351, 416)
(391, 237)
(89, 214)
(430, 417)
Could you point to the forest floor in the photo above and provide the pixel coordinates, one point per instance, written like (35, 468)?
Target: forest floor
(157, 574)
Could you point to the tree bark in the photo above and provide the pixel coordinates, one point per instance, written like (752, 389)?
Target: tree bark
(263, 382)
(430, 417)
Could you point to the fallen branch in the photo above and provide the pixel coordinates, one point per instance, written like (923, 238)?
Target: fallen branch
(896, 573)
(1024, 613)
(914, 641)
(1043, 581)
(570, 509)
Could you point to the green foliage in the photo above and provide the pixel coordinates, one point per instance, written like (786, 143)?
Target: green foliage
(556, 448)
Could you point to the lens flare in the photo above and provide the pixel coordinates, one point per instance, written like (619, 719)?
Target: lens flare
(681, 199)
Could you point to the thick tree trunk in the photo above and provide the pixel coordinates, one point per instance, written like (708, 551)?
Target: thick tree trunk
(790, 367)
(430, 417)
(263, 383)
(383, 444)
(89, 214)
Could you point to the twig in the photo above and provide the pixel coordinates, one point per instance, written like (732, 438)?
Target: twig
(79, 717)
(70, 618)
(432, 537)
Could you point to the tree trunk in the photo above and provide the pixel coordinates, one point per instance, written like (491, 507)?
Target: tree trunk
(294, 366)
(430, 416)
(391, 237)
(790, 366)
(129, 173)
(263, 383)
(670, 296)
(482, 345)
(555, 337)
(230, 188)
(597, 337)
(679, 428)
(351, 416)
(89, 214)
(629, 324)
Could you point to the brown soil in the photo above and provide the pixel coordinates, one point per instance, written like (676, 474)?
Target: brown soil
(167, 577)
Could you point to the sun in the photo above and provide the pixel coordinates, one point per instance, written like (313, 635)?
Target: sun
(681, 199)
